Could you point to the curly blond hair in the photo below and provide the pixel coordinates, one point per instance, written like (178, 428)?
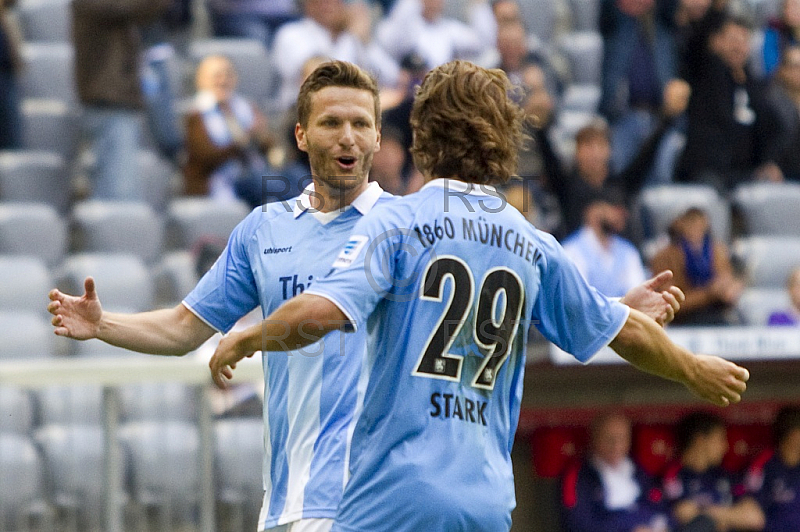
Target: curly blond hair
(465, 124)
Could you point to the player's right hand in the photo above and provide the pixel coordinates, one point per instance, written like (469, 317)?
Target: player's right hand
(718, 381)
(76, 317)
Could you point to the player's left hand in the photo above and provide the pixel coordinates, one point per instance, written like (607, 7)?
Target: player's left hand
(229, 352)
(656, 298)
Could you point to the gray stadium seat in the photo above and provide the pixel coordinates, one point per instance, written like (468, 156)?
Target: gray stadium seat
(34, 176)
(24, 284)
(49, 71)
(756, 304)
(249, 57)
(581, 97)
(158, 401)
(163, 458)
(540, 17)
(238, 460)
(584, 51)
(768, 260)
(25, 335)
(99, 349)
(20, 482)
(68, 405)
(585, 14)
(122, 280)
(175, 276)
(118, 227)
(159, 179)
(33, 229)
(659, 206)
(16, 410)
(190, 220)
(74, 458)
(51, 125)
(769, 208)
(45, 20)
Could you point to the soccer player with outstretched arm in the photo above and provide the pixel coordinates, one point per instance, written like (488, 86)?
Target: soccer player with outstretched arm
(445, 283)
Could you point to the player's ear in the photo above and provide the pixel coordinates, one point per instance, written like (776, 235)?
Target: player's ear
(378, 141)
(300, 137)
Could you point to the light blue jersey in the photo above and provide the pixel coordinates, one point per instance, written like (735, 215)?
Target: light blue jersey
(272, 255)
(446, 290)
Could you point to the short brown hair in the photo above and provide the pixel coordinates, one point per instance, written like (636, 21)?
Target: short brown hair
(335, 74)
(597, 128)
(465, 124)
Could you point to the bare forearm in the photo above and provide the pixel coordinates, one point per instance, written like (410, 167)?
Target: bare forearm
(174, 331)
(299, 322)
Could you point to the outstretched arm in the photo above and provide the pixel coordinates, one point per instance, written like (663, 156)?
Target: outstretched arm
(174, 331)
(645, 345)
(299, 322)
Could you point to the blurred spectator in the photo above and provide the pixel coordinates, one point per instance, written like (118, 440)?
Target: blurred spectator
(334, 30)
(418, 26)
(10, 65)
(733, 134)
(774, 477)
(702, 269)
(226, 141)
(780, 34)
(486, 16)
(607, 261)
(251, 19)
(785, 94)
(638, 61)
(792, 315)
(607, 491)
(699, 491)
(107, 39)
(591, 171)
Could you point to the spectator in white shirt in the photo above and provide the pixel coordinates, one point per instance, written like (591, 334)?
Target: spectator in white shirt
(331, 29)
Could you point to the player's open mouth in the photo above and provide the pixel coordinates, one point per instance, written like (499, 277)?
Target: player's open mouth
(347, 162)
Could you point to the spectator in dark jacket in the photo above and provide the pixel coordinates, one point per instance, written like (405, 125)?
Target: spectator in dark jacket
(607, 491)
(10, 64)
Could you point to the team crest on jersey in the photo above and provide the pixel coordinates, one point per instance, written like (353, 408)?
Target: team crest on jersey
(350, 251)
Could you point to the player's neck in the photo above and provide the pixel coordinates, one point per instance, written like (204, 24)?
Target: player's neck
(327, 198)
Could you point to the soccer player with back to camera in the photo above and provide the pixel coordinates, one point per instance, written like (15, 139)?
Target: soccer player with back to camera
(446, 282)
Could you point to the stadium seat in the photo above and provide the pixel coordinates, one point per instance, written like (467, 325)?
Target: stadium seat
(158, 401)
(24, 284)
(769, 208)
(768, 259)
(555, 447)
(99, 349)
(756, 304)
(191, 220)
(21, 483)
(744, 443)
(581, 97)
(49, 71)
(238, 460)
(33, 229)
(45, 20)
(25, 335)
(584, 51)
(659, 206)
(51, 125)
(118, 227)
(122, 280)
(653, 447)
(66, 405)
(74, 458)
(16, 410)
(585, 14)
(540, 18)
(158, 178)
(249, 57)
(34, 176)
(175, 276)
(164, 470)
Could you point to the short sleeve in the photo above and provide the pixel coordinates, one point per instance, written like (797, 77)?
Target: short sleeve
(569, 312)
(228, 290)
(366, 270)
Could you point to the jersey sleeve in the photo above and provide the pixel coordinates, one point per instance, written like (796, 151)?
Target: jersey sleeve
(228, 290)
(569, 312)
(365, 271)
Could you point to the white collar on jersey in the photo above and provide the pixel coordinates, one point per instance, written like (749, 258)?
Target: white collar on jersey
(364, 202)
(461, 187)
